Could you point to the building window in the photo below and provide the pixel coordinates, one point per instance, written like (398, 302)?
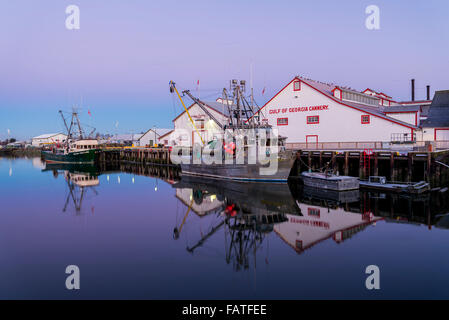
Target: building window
(199, 124)
(365, 119)
(313, 119)
(296, 85)
(282, 121)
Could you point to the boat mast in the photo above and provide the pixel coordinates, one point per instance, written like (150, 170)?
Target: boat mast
(69, 130)
(75, 116)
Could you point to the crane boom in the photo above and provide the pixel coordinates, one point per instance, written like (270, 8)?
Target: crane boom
(173, 88)
(203, 107)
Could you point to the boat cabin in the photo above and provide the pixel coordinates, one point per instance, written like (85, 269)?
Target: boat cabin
(83, 180)
(85, 144)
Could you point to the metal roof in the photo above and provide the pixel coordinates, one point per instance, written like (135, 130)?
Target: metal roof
(219, 107)
(375, 110)
(402, 109)
(439, 111)
(48, 135)
(126, 137)
(159, 132)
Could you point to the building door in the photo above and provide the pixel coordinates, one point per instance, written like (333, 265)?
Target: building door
(312, 141)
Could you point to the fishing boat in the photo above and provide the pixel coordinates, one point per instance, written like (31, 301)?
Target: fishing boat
(76, 149)
(242, 119)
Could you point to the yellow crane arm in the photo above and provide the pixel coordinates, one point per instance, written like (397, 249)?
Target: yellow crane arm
(172, 84)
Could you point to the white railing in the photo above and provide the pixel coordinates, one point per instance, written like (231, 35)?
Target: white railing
(375, 145)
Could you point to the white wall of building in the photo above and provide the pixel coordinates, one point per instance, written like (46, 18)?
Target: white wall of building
(48, 139)
(152, 137)
(149, 138)
(337, 123)
(409, 117)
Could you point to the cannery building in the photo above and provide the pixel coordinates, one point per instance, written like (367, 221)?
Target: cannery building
(309, 111)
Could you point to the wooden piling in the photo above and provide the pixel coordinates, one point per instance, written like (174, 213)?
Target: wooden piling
(346, 168)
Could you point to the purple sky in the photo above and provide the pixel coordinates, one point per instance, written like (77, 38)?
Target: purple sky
(122, 58)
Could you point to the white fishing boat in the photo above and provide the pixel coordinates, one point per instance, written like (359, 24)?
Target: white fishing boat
(329, 181)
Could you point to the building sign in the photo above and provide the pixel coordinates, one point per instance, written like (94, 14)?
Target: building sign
(307, 222)
(298, 109)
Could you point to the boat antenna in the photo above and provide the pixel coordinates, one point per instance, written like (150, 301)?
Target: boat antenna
(75, 115)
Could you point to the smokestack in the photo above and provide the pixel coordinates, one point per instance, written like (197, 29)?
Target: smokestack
(413, 89)
(428, 92)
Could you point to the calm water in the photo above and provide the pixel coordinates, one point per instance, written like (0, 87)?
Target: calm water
(136, 236)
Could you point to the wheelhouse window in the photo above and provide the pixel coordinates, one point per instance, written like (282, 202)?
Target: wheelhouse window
(296, 85)
(313, 119)
(365, 119)
(282, 121)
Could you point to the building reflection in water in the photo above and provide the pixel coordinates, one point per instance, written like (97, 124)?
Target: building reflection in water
(300, 216)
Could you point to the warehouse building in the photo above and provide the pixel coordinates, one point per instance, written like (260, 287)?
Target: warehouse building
(127, 139)
(207, 128)
(49, 138)
(309, 111)
(152, 137)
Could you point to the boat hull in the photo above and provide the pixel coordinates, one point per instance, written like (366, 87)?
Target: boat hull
(243, 172)
(79, 157)
(337, 183)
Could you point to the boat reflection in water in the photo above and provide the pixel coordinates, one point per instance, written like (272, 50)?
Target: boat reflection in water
(248, 212)
(80, 178)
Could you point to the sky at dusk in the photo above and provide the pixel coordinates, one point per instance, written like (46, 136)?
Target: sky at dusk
(119, 63)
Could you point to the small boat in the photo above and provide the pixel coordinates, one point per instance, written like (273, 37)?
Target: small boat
(329, 181)
(380, 183)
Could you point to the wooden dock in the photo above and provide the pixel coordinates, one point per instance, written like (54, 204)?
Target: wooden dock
(396, 166)
(406, 166)
(158, 156)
